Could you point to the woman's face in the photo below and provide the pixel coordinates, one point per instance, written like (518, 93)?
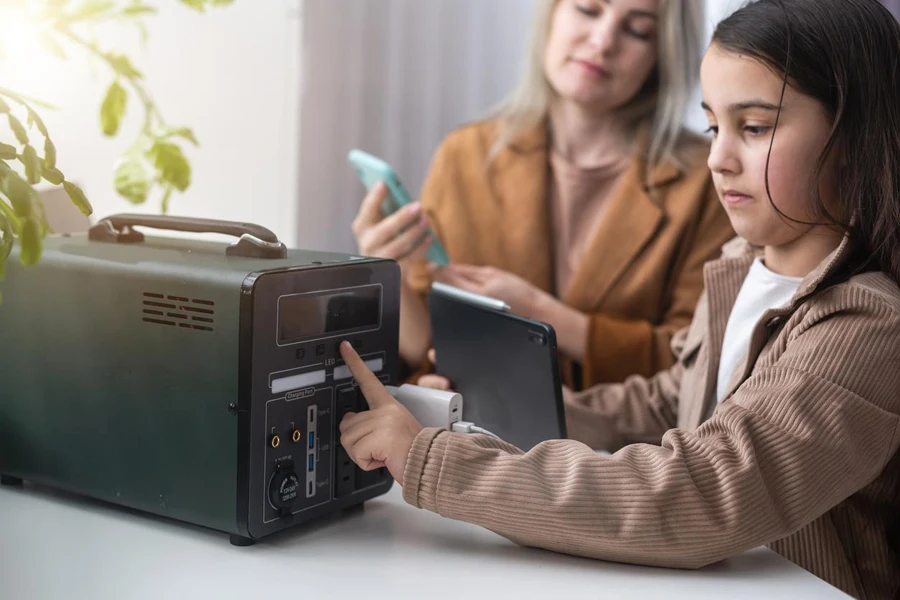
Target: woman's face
(600, 52)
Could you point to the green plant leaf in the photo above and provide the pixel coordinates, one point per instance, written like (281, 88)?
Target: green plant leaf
(50, 44)
(32, 164)
(26, 100)
(132, 180)
(42, 215)
(18, 129)
(137, 9)
(54, 176)
(113, 109)
(49, 154)
(198, 5)
(8, 152)
(145, 33)
(7, 212)
(122, 65)
(171, 164)
(6, 239)
(78, 198)
(30, 240)
(164, 205)
(90, 9)
(20, 194)
(35, 120)
(183, 133)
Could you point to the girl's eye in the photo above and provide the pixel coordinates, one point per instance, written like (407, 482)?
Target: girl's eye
(588, 10)
(757, 130)
(713, 129)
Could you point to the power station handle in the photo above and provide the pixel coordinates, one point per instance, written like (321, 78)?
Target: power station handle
(255, 241)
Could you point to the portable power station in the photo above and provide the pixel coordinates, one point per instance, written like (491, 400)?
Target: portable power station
(192, 379)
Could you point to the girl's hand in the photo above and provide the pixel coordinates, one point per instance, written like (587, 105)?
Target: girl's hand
(382, 435)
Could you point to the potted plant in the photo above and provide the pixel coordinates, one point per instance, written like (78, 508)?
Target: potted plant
(154, 164)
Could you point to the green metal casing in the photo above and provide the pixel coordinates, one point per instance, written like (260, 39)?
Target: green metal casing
(82, 405)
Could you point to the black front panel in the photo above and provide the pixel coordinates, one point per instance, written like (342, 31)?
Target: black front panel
(300, 387)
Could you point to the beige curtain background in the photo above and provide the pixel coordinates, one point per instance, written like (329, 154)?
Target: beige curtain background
(391, 77)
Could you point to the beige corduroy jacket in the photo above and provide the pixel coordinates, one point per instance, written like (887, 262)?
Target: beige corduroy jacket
(802, 455)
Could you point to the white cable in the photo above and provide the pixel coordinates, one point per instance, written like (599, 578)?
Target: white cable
(467, 427)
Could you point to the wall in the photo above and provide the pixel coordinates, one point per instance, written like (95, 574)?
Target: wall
(231, 74)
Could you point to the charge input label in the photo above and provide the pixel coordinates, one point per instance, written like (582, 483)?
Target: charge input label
(300, 394)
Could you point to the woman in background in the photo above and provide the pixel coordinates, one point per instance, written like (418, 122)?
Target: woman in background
(582, 202)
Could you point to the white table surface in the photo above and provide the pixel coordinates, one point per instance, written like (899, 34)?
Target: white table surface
(57, 546)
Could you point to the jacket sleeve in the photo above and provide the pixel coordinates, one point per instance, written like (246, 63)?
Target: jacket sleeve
(438, 183)
(796, 439)
(609, 416)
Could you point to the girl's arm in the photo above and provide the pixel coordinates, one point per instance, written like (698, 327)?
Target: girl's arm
(796, 439)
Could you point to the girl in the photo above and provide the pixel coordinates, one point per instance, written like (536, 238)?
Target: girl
(582, 201)
(783, 410)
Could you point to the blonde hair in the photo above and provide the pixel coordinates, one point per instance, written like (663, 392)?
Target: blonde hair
(664, 97)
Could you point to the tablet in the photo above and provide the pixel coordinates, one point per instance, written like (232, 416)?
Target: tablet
(505, 366)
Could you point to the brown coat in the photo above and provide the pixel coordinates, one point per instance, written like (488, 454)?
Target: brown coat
(802, 454)
(642, 273)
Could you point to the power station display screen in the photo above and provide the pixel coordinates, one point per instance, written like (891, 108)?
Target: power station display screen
(322, 314)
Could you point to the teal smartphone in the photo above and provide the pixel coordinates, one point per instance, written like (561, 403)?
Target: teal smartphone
(371, 170)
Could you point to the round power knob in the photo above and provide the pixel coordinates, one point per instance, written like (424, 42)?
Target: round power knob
(284, 488)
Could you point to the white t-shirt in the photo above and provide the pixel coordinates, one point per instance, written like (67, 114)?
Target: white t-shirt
(762, 290)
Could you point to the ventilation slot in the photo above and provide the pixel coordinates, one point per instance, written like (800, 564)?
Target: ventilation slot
(178, 311)
(159, 304)
(158, 321)
(192, 326)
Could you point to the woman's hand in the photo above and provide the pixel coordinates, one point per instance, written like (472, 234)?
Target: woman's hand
(522, 296)
(382, 435)
(402, 236)
(525, 299)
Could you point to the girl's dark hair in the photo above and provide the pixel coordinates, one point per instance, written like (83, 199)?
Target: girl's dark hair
(846, 55)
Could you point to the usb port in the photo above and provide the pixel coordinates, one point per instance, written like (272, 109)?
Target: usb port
(312, 440)
(312, 463)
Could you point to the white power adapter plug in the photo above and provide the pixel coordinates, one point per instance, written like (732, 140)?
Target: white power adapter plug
(430, 407)
(435, 408)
